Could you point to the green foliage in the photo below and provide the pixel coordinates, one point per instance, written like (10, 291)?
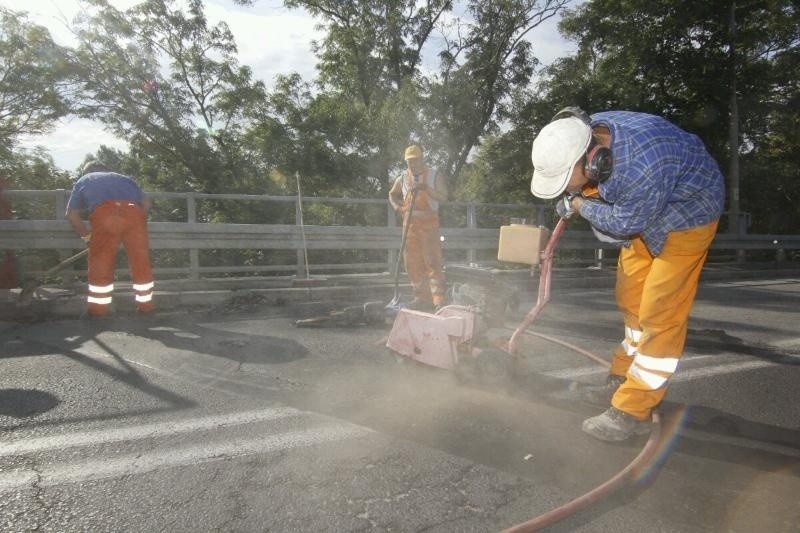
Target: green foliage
(162, 78)
(678, 59)
(34, 170)
(32, 74)
(484, 61)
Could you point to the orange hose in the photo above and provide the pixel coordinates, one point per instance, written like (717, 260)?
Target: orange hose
(602, 491)
(559, 513)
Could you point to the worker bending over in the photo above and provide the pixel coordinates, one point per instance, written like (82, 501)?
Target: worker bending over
(117, 210)
(645, 183)
(416, 195)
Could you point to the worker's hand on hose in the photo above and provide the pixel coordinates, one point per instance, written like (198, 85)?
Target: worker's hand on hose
(564, 206)
(86, 238)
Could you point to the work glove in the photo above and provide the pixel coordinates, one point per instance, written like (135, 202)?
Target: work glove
(564, 206)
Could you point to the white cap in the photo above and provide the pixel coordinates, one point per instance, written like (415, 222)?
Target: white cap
(555, 151)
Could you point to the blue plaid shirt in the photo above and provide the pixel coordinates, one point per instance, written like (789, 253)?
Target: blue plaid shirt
(663, 180)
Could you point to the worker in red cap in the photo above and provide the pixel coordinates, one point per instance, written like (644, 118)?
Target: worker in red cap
(117, 210)
(416, 196)
(654, 189)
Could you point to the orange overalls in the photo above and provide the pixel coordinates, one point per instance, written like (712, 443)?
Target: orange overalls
(116, 221)
(423, 250)
(655, 296)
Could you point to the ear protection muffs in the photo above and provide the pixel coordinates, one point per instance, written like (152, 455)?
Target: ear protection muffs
(599, 159)
(599, 163)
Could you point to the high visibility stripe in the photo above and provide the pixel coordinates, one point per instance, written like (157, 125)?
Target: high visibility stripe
(630, 350)
(654, 381)
(141, 298)
(633, 334)
(101, 301)
(143, 286)
(659, 364)
(101, 289)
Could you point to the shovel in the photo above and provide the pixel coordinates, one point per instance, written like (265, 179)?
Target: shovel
(394, 305)
(26, 296)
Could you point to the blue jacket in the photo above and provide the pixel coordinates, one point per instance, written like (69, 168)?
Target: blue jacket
(663, 180)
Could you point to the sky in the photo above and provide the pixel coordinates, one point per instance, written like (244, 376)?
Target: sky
(270, 38)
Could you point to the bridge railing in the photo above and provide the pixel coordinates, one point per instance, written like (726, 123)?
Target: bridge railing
(470, 233)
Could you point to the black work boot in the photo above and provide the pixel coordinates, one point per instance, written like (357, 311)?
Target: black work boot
(601, 394)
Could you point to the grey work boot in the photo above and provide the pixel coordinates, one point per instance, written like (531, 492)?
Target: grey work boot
(614, 426)
(600, 395)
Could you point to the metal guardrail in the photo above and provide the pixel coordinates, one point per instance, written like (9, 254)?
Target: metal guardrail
(192, 236)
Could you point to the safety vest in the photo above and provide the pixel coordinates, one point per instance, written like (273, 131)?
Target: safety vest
(423, 202)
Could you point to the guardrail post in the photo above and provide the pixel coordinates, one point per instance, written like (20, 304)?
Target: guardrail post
(598, 259)
(738, 226)
(61, 210)
(472, 223)
(298, 217)
(540, 215)
(194, 253)
(61, 204)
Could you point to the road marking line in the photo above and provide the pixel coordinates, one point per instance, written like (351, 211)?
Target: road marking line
(577, 372)
(786, 342)
(145, 431)
(699, 373)
(683, 374)
(140, 463)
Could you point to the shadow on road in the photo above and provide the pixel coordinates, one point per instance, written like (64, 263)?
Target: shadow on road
(25, 403)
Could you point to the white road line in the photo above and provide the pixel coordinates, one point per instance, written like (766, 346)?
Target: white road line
(576, 372)
(145, 431)
(786, 342)
(140, 463)
(683, 374)
(699, 373)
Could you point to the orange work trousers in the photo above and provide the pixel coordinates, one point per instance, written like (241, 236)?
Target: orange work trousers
(423, 259)
(114, 222)
(655, 296)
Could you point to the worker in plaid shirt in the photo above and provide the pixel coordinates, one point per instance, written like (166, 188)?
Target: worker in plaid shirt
(653, 188)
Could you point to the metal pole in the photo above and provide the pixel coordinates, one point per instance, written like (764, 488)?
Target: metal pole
(472, 223)
(194, 253)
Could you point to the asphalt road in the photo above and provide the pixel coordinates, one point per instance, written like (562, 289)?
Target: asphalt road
(232, 419)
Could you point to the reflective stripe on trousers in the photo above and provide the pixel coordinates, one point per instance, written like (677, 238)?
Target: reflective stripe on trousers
(655, 296)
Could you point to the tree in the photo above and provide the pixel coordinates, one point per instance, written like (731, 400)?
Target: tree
(369, 63)
(483, 63)
(372, 75)
(160, 77)
(33, 94)
(679, 59)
